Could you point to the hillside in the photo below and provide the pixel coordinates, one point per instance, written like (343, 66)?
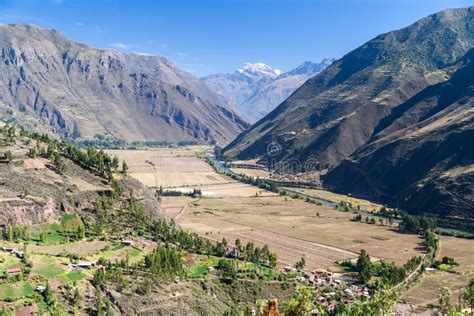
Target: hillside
(79, 236)
(256, 89)
(59, 86)
(351, 103)
(423, 154)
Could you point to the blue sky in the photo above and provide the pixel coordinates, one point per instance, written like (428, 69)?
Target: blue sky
(208, 36)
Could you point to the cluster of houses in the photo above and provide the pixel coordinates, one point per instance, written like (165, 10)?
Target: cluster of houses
(320, 277)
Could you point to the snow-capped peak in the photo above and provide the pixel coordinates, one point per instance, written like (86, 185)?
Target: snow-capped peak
(259, 68)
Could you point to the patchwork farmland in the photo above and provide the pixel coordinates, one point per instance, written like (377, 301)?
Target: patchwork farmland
(169, 167)
(292, 228)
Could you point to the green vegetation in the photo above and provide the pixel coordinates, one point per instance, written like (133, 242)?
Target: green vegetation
(14, 291)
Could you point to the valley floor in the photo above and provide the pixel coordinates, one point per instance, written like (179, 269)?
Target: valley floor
(290, 226)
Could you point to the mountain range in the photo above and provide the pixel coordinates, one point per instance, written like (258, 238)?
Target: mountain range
(55, 85)
(255, 89)
(391, 120)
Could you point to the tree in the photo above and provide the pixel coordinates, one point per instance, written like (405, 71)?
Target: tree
(124, 167)
(227, 268)
(364, 266)
(48, 295)
(7, 156)
(108, 308)
(300, 264)
(301, 303)
(444, 296)
(468, 295)
(99, 303)
(272, 259)
(77, 296)
(115, 163)
(238, 246)
(59, 164)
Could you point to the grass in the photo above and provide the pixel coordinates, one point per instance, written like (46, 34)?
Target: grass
(71, 222)
(10, 292)
(197, 270)
(119, 252)
(118, 247)
(201, 266)
(54, 232)
(8, 261)
(74, 276)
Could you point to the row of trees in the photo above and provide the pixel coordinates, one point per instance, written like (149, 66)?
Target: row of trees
(97, 161)
(387, 273)
(416, 224)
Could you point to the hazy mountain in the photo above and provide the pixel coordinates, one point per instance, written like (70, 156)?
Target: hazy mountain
(256, 89)
(339, 113)
(54, 84)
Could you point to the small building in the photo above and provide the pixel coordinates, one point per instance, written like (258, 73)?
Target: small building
(9, 249)
(40, 288)
(19, 253)
(13, 270)
(127, 242)
(85, 265)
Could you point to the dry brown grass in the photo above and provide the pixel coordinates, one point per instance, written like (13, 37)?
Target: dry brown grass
(292, 228)
(169, 167)
(426, 291)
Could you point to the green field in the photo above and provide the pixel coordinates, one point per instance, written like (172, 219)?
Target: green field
(10, 292)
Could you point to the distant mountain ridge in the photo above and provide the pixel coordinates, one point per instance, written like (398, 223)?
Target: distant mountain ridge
(59, 86)
(390, 120)
(255, 89)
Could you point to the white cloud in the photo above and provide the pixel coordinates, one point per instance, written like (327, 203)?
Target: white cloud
(164, 45)
(181, 54)
(79, 24)
(120, 45)
(59, 1)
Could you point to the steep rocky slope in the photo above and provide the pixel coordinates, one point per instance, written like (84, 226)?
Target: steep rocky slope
(55, 84)
(423, 157)
(256, 89)
(364, 107)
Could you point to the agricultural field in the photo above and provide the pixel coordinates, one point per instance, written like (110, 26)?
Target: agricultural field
(251, 172)
(232, 189)
(426, 290)
(337, 198)
(80, 248)
(291, 227)
(169, 167)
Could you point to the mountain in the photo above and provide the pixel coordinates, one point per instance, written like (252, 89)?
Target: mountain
(51, 83)
(423, 155)
(365, 117)
(256, 89)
